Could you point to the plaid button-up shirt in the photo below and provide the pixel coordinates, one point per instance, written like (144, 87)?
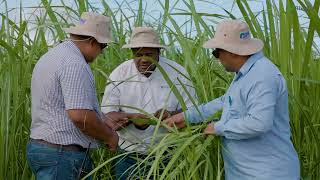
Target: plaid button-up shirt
(61, 80)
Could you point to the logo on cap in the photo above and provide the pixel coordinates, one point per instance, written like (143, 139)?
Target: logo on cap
(244, 35)
(82, 21)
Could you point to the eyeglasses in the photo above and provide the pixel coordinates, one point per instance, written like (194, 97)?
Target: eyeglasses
(216, 53)
(103, 45)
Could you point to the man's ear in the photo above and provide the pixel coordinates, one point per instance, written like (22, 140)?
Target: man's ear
(92, 41)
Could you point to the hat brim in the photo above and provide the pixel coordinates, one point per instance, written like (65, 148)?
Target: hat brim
(252, 46)
(146, 45)
(83, 32)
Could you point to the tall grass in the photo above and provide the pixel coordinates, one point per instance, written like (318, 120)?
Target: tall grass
(191, 156)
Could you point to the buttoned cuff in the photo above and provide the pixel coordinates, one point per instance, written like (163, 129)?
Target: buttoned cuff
(187, 115)
(219, 128)
(191, 116)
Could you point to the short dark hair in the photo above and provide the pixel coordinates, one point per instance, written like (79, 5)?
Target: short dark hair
(80, 37)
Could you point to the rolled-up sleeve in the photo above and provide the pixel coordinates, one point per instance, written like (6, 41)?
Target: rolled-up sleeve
(77, 86)
(204, 111)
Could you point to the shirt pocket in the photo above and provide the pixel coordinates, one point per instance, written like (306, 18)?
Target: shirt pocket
(167, 97)
(235, 110)
(234, 113)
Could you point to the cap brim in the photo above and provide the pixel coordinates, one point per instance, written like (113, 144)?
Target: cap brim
(250, 47)
(80, 31)
(147, 45)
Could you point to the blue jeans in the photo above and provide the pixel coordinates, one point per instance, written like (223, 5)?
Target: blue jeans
(49, 163)
(125, 167)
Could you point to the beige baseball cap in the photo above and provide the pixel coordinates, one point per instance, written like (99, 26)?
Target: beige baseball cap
(234, 36)
(144, 37)
(94, 25)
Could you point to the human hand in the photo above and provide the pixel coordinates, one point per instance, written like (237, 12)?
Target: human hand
(165, 114)
(141, 126)
(112, 141)
(176, 120)
(116, 120)
(209, 130)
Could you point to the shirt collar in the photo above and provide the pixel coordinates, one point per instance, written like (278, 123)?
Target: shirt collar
(248, 64)
(70, 44)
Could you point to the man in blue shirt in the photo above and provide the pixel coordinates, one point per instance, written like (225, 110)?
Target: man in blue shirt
(254, 125)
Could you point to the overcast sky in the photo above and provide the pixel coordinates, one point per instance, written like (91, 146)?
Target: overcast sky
(152, 6)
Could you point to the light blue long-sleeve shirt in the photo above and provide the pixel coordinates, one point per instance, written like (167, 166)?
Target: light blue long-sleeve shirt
(254, 124)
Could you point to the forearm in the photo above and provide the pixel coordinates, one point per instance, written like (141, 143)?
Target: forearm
(197, 114)
(90, 124)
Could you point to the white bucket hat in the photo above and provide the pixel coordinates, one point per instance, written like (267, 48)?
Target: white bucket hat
(144, 37)
(94, 25)
(234, 36)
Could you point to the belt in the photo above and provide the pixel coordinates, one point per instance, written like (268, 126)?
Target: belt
(72, 147)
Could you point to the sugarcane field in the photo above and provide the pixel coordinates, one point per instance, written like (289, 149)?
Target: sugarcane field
(160, 89)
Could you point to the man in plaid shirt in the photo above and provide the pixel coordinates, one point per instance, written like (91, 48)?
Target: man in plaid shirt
(66, 120)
